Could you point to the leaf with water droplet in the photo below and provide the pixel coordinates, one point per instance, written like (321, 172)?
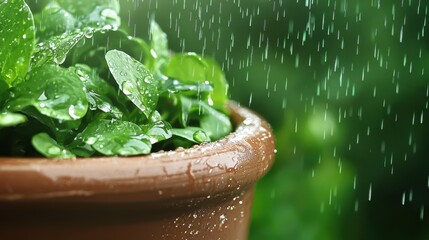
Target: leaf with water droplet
(48, 147)
(85, 7)
(63, 131)
(8, 119)
(98, 91)
(115, 137)
(193, 134)
(217, 78)
(216, 124)
(158, 131)
(92, 53)
(54, 91)
(66, 27)
(159, 53)
(134, 80)
(97, 14)
(53, 20)
(16, 41)
(172, 86)
(55, 49)
(190, 68)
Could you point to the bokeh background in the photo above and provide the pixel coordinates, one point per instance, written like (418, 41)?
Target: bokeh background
(344, 84)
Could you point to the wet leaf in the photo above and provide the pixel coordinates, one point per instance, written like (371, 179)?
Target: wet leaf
(172, 86)
(97, 91)
(134, 80)
(53, 20)
(65, 28)
(190, 68)
(187, 68)
(115, 137)
(55, 49)
(54, 91)
(93, 15)
(48, 147)
(3, 92)
(158, 131)
(8, 119)
(92, 52)
(216, 124)
(217, 78)
(16, 41)
(84, 7)
(63, 131)
(81, 114)
(159, 53)
(193, 134)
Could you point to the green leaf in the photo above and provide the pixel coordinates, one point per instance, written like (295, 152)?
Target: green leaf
(63, 131)
(190, 68)
(81, 149)
(8, 119)
(216, 77)
(134, 80)
(55, 49)
(158, 131)
(52, 21)
(159, 53)
(54, 91)
(48, 147)
(85, 7)
(187, 67)
(187, 106)
(3, 92)
(193, 134)
(115, 137)
(72, 29)
(16, 41)
(97, 91)
(92, 53)
(93, 15)
(215, 123)
(172, 86)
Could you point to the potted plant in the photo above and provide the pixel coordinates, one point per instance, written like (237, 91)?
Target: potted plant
(98, 145)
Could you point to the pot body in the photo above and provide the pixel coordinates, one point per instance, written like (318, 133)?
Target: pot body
(200, 193)
(220, 218)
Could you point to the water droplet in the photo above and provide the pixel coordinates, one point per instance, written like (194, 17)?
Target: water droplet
(126, 86)
(59, 59)
(88, 32)
(72, 112)
(109, 14)
(200, 136)
(370, 192)
(91, 140)
(54, 150)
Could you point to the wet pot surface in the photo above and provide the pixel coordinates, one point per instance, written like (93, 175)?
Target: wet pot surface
(200, 193)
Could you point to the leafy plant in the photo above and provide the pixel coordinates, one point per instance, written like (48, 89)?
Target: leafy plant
(73, 84)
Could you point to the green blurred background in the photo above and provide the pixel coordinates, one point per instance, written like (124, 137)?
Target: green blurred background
(345, 88)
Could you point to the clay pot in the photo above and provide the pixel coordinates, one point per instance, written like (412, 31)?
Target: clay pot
(200, 193)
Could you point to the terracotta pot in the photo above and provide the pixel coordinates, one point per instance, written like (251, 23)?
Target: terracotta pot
(200, 193)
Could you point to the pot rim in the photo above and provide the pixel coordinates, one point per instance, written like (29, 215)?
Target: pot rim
(208, 170)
